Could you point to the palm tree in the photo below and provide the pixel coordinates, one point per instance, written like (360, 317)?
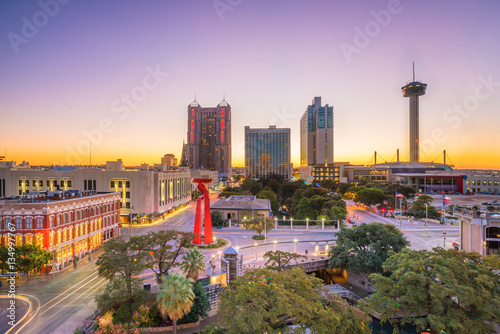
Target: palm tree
(193, 264)
(175, 297)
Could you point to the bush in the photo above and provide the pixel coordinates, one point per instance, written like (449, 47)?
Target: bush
(258, 237)
(200, 308)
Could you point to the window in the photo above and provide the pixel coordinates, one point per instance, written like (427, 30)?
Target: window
(70, 233)
(7, 223)
(19, 223)
(59, 236)
(62, 183)
(33, 183)
(40, 183)
(27, 183)
(127, 205)
(58, 220)
(127, 184)
(39, 222)
(20, 183)
(69, 183)
(29, 222)
(127, 194)
(65, 218)
(70, 217)
(47, 182)
(120, 184)
(112, 184)
(54, 183)
(51, 221)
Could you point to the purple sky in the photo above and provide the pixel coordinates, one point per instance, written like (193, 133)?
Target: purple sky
(270, 58)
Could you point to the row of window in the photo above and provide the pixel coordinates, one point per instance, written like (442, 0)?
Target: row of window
(485, 183)
(29, 222)
(34, 183)
(120, 184)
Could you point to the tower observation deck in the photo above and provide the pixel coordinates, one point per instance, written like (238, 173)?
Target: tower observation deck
(413, 90)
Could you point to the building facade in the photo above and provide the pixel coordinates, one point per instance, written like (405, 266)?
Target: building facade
(316, 134)
(209, 138)
(142, 190)
(267, 152)
(479, 232)
(68, 223)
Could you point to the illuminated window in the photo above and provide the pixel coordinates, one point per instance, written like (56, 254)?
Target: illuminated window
(29, 239)
(65, 235)
(39, 240)
(19, 240)
(59, 236)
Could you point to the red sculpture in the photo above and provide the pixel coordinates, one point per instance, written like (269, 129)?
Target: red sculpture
(207, 217)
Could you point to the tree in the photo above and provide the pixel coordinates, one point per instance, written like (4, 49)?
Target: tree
(175, 297)
(280, 260)
(304, 210)
(274, 185)
(161, 250)
(365, 248)
(352, 191)
(201, 305)
(192, 264)
(314, 191)
(115, 296)
(446, 290)
(328, 184)
(370, 196)
(251, 186)
(263, 301)
(31, 257)
(287, 189)
(342, 188)
(258, 224)
(317, 202)
(419, 207)
(331, 203)
(271, 196)
(337, 213)
(217, 218)
(120, 258)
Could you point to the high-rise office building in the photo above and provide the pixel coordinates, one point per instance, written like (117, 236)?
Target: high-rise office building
(267, 152)
(209, 138)
(316, 134)
(413, 90)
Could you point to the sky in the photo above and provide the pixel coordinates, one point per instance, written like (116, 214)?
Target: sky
(119, 75)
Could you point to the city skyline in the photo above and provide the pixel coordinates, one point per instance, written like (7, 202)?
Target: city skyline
(122, 76)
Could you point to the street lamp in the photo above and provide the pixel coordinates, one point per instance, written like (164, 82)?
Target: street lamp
(275, 242)
(426, 217)
(130, 219)
(255, 250)
(307, 223)
(295, 245)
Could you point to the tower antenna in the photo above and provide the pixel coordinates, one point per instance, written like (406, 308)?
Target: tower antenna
(413, 71)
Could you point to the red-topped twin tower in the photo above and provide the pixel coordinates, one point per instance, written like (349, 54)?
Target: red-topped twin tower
(413, 90)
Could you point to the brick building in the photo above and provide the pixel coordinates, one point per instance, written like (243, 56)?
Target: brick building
(68, 223)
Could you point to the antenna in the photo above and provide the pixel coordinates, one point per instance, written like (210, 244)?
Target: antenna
(90, 153)
(223, 96)
(195, 96)
(413, 71)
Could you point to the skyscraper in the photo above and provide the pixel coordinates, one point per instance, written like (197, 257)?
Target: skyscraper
(267, 152)
(413, 90)
(209, 138)
(316, 134)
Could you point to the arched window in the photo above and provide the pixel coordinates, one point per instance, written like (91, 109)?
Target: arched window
(28, 239)
(59, 236)
(65, 235)
(39, 239)
(70, 232)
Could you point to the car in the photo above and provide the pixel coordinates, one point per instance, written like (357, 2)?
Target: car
(455, 244)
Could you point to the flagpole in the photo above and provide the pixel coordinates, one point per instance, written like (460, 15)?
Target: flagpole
(444, 223)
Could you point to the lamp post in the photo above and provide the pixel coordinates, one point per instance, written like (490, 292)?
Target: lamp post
(130, 219)
(265, 234)
(291, 223)
(295, 245)
(426, 217)
(275, 242)
(307, 223)
(255, 250)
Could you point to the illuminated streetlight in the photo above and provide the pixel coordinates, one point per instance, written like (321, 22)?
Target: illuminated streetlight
(275, 242)
(295, 245)
(255, 250)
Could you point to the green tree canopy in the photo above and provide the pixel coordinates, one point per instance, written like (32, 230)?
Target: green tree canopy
(271, 196)
(364, 249)
(201, 305)
(280, 260)
(337, 213)
(258, 224)
(193, 263)
(446, 290)
(175, 297)
(304, 210)
(314, 191)
(217, 218)
(317, 202)
(120, 259)
(370, 196)
(352, 191)
(251, 186)
(342, 188)
(263, 301)
(419, 206)
(161, 250)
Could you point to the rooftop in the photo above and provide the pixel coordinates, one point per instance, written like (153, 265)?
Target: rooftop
(242, 203)
(50, 196)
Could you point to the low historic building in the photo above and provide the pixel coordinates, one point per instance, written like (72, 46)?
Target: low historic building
(68, 223)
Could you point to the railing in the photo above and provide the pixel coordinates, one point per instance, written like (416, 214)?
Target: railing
(312, 265)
